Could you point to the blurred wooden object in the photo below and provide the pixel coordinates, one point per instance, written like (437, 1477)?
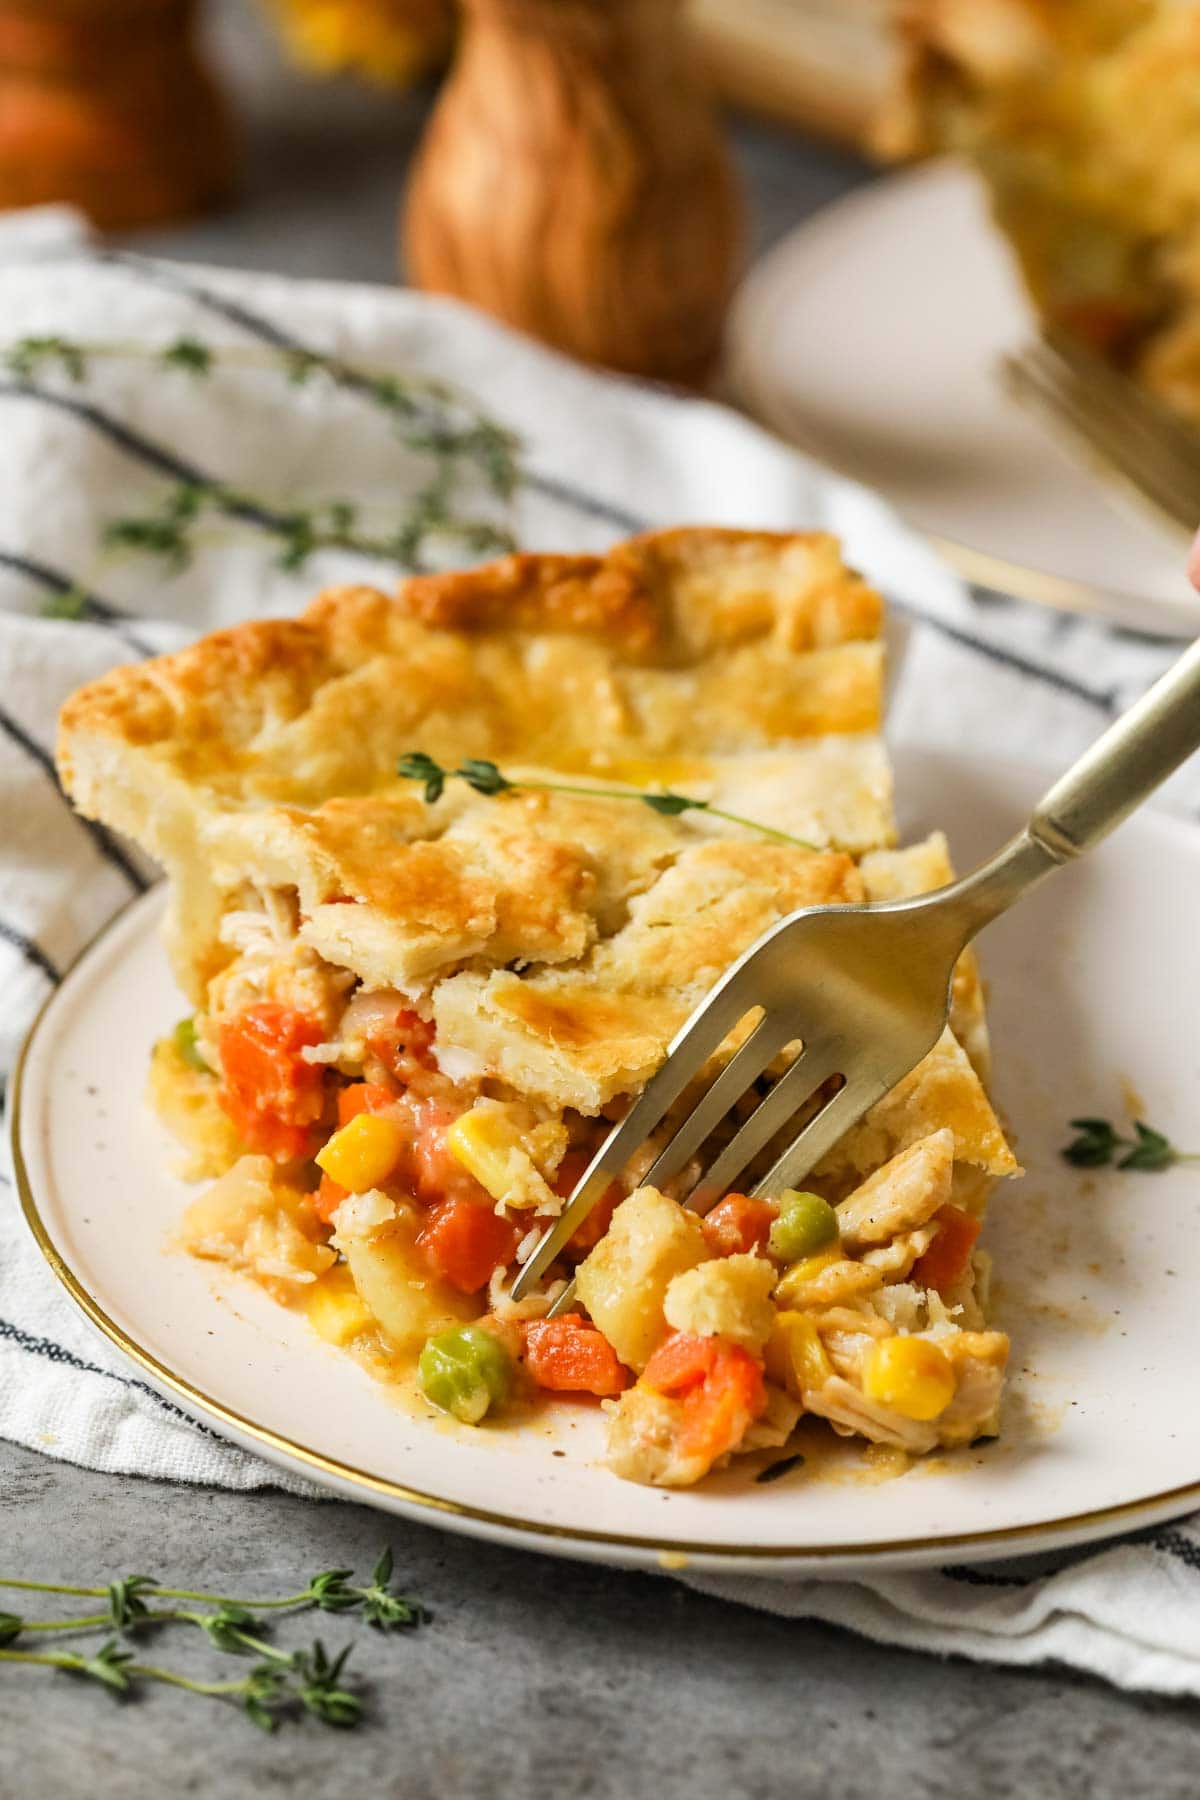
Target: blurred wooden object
(104, 103)
(574, 181)
(826, 66)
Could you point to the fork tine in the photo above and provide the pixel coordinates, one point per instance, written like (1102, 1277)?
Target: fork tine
(690, 1049)
(1061, 404)
(1048, 384)
(764, 1043)
(809, 1072)
(1141, 425)
(822, 1132)
(1039, 380)
(1135, 406)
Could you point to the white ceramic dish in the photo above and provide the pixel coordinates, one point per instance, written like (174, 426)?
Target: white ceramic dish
(1095, 984)
(870, 337)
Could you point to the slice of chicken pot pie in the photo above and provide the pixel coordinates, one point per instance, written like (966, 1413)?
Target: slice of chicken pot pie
(448, 869)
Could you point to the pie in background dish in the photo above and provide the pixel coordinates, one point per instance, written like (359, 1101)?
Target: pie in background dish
(417, 1012)
(1083, 117)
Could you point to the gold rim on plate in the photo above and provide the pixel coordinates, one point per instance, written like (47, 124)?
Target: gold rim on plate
(673, 1552)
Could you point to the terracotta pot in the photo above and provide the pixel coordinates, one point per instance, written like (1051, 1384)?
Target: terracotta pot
(574, 182)
(104, 103)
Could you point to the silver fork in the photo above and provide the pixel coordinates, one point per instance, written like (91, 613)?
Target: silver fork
(1111, 423)
(865, 990)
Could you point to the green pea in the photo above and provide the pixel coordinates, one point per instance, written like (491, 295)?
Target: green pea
(465, 1371)
(805, 1224)
(184, 1036)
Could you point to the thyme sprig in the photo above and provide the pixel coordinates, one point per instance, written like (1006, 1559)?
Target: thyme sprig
(427, 414)
(304, 1681)
(1098, 1141)
(485, 778)
(332, 1590)
(429, 417)
(172, 531)
(282, 1684)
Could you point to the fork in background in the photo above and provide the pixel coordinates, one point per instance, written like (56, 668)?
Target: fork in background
(865, 990)
(1106, 420)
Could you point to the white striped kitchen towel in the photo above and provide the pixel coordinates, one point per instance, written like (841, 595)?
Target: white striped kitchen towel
(146, 497)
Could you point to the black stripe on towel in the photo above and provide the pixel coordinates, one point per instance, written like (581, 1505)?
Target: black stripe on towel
(1103, 700)
(266, 331)
(58, 1353)
(95, 610)
(153, 455)
(33, 953)
(103, 839)
(1174, 1544)
(983, 1578)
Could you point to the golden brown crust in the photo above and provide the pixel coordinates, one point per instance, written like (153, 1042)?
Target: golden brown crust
(267, 753)
(676, 596)
(558, 938)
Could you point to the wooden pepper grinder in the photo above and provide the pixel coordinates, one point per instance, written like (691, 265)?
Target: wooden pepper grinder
(104, 103)
(574, 181)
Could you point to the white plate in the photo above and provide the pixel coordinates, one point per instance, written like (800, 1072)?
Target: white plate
(870, 336)
(1095, 981)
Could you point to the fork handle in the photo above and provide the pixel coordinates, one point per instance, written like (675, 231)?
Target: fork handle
(1125, 765)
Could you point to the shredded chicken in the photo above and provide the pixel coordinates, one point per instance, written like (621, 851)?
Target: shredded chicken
(906, 1192)
(849, 1410)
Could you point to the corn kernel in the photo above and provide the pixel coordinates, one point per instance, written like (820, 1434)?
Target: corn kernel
(363, 1153)
(910, 1375)
(484, 1145)
(336, 1310)
(791, 1287)
(795, 1355)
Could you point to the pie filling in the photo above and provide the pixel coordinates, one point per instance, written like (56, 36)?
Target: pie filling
(390, 1184)
(418, 1010)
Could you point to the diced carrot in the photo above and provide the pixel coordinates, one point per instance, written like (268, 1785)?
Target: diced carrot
(720, 1386)
(681, 1361)
(717, 1415)
(738, 1224)
(407, 1041)
(946, 1259)
(465, 1242)
(329, 1197)
(362, 1096)
(570, 1356)
(599, 1219)
(272, 1095)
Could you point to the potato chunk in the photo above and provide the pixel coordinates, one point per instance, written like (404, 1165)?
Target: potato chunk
(728, 1297)
(625, 1279)
(407, 1299)
(257, 1222)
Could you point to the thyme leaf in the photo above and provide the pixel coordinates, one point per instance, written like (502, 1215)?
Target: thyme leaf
(125, 1604)
(1097, 1142)
(29, 355)
(189, 354)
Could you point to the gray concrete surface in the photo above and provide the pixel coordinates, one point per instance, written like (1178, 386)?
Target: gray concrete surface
(544, 1680)
(536, 1678)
